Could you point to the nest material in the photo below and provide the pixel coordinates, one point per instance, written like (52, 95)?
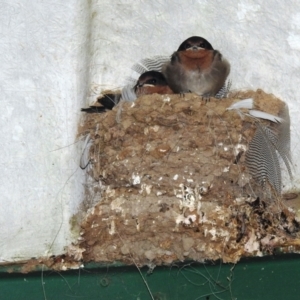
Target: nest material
(175, 186)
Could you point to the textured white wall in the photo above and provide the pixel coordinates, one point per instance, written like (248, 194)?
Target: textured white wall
(45, 58)
(44, 47)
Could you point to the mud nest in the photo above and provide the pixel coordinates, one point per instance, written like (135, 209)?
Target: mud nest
(172, 184)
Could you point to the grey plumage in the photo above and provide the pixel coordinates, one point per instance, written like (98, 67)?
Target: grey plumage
(128, 94)
(85, 156)
(199, 78)
(262, 160)
(196, 67)
(223, 92)
(151, 64)
(284, 134)
(268, 146)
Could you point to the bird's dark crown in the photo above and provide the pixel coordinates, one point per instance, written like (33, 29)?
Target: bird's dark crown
(151, 77)
(195, 41)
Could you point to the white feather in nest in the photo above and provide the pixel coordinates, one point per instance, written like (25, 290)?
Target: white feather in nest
(248, 104)
(262, 159)
(268, 146)
(128, 94)
(85, 156)
(154, 63)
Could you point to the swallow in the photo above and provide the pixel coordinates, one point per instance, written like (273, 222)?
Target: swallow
(150, 82)
(196, 67)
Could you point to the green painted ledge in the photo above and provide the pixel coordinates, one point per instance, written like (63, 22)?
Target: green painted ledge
(272, 277)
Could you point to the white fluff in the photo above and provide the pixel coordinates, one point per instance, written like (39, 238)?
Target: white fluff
(128, 93)
(246, 103)
(85, 156)
(264, 115)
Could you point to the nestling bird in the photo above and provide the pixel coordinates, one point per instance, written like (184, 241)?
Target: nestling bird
(196, 67)
(150, 82)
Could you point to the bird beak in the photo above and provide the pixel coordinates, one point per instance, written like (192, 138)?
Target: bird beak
(195, 48)
(147, 84)
(143, 85)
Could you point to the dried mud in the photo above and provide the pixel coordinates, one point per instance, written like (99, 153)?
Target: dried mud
(171, 184)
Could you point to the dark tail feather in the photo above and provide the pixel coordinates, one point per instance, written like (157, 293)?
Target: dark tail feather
(94, 109)
(108, 101)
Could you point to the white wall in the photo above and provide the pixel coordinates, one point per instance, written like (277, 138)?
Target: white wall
(48, 72)
(44, 48)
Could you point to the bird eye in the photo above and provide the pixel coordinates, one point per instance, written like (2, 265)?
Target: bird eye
(202, 45)
(152, 81)
(188, 45)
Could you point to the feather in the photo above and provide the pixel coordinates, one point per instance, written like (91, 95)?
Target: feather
(262, 159)
(279, 135)
(281, 139)
(284, 134)
(109, 100)
(94, 109)
(246, 103)
(269, 144)
(223, 92)
(263, 115)
(151, 64)
(85, 159)
(128, 93)
(281, 148)
(131, 80)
